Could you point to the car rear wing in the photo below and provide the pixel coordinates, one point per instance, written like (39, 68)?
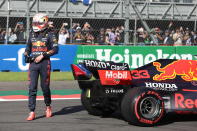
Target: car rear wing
(109, 73)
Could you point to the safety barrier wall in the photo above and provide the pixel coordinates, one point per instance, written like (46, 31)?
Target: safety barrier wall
(12, 59)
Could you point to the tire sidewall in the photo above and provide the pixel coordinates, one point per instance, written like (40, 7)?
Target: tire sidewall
(136, 106)
(131, 103)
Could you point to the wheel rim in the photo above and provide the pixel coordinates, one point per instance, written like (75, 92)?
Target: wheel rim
(149, 107)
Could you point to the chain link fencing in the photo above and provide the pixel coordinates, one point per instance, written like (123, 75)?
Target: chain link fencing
(165, 32)
(14, 30)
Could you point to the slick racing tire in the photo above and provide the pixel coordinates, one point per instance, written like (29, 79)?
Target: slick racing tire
(142, 107)
(86, 102)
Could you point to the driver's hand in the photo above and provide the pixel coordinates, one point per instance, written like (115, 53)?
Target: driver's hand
(38, 59)
(25, 54)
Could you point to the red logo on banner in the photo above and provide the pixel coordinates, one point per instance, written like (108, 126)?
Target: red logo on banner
(115, 77)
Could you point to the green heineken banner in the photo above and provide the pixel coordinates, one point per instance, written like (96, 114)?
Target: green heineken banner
(12, 58)
(135, 56)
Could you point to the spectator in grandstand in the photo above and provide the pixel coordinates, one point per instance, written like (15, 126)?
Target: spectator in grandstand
(101, 37)
(158, 35)
(141, 35)
(119, 35)
(121, 30)
(10, 36)
(147, 39)
(2, 36)
(194, 37)
(110, 36)
(78, 37)
(178, 37)
(19, 30)
(167, 38)
(187, 37)
(63, 34)
(74, 27)
(89, 38)
(86, 28)
(73, 30)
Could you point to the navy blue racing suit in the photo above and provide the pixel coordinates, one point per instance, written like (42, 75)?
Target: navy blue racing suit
(41, 43)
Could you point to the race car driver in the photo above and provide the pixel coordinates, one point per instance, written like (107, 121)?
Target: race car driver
(41, 45)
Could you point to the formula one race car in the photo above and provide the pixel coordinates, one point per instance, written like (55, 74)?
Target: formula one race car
(143, 95)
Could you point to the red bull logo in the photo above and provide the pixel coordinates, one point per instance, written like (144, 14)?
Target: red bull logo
(187, 69)
(39, 43)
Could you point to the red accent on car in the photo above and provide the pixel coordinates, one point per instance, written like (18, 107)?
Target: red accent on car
(146, 120)
(189, 90)
(77, 71)
(181, 102)
(115, 77)
(140, 74)
(186, 69)
(185, 112)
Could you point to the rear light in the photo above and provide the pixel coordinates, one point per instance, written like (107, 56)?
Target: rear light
(80, 72)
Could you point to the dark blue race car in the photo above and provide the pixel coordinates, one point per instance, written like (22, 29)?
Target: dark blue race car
(143, 95)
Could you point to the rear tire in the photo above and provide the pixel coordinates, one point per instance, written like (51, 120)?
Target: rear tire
(142, 107)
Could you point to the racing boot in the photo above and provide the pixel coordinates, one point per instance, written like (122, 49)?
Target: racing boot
(48, 112)
(31, 116)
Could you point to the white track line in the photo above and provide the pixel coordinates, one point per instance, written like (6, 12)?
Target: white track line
(1, 100)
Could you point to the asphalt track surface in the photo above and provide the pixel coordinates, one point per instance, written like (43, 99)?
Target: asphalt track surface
(69, 115)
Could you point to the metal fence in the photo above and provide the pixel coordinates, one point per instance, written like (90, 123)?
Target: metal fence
(128, 22)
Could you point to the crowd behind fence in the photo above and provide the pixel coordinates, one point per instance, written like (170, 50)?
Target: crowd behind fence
(105, 32)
